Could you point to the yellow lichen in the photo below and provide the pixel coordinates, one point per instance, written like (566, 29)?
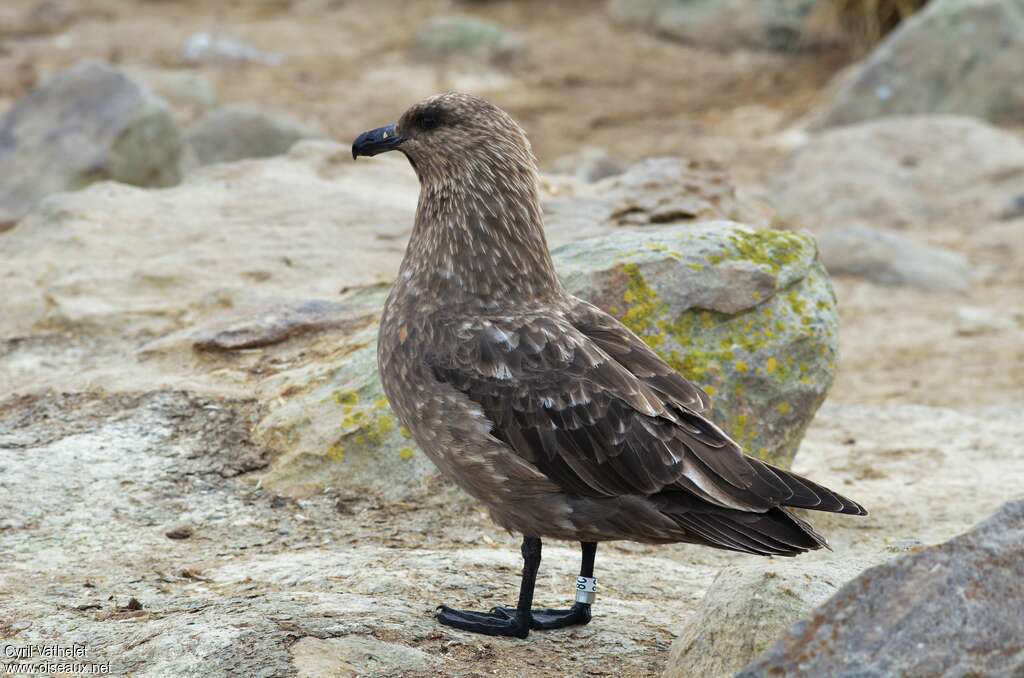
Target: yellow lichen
(405, 453)
(336, 453)
(346, 397)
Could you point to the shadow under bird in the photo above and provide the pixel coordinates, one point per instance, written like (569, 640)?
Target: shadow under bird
(540, 405)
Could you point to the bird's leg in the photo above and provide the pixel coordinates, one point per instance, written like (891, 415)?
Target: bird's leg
(502, 621)
(579, 613)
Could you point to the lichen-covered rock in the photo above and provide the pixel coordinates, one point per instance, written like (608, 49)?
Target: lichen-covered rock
(341, 432)
(963, 57)
(243, 131)
(949, 610)
(761, 24)
(748, 314)
(88, 123)
(746, 609)
(467, 40)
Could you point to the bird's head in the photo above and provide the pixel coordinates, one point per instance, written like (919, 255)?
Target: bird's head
(453, 135)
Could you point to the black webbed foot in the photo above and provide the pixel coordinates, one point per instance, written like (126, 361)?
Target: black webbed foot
(577, 615)
(499, 622)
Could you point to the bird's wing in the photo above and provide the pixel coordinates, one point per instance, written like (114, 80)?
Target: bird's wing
(627, 349)
(566, 405)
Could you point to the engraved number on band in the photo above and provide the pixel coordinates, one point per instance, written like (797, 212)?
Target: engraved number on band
(586, 590)
(586, 584)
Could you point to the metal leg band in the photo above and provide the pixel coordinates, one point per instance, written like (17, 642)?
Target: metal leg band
(586, 590)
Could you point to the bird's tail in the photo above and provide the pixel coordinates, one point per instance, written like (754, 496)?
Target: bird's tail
(808, 494)
(773, 533)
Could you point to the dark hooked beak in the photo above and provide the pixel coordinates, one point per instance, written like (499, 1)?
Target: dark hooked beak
(380, 140)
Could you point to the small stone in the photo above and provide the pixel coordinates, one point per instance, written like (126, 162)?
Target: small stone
(1015, 210)
(777, 25)
(179, 532)
(225, 50)
(975, 321)
(467, 40)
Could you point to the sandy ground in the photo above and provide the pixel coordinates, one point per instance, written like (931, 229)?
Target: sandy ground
(332, 567)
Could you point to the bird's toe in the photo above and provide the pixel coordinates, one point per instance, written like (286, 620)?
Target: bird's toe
(498, 622)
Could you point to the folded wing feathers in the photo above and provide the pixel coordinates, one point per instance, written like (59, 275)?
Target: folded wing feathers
(599, 413)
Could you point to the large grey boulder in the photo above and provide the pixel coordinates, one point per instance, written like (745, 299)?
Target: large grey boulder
(748, 314)
(746, 609)
(949, 610)
(892, 259)
(897, 172)
(955, 56)
(761, 24)
(243, 131)
(88, 123)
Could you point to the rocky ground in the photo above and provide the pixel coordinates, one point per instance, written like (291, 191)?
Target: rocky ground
(197, 474)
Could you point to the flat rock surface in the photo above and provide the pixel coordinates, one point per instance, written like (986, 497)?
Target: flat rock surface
(136, 259)
(265, 585)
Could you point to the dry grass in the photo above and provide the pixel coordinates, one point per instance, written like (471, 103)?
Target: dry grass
(860, 24)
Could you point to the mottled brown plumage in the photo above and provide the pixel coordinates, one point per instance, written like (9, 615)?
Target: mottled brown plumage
(550, 412)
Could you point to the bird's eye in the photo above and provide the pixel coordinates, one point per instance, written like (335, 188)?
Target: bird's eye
(429, 121)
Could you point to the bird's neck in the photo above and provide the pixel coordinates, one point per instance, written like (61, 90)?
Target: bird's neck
(480, 242)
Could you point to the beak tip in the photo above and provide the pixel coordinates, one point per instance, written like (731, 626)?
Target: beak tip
(376, 141)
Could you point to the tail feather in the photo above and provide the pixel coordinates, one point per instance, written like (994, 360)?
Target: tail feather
(810, 495)
(773, 533)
